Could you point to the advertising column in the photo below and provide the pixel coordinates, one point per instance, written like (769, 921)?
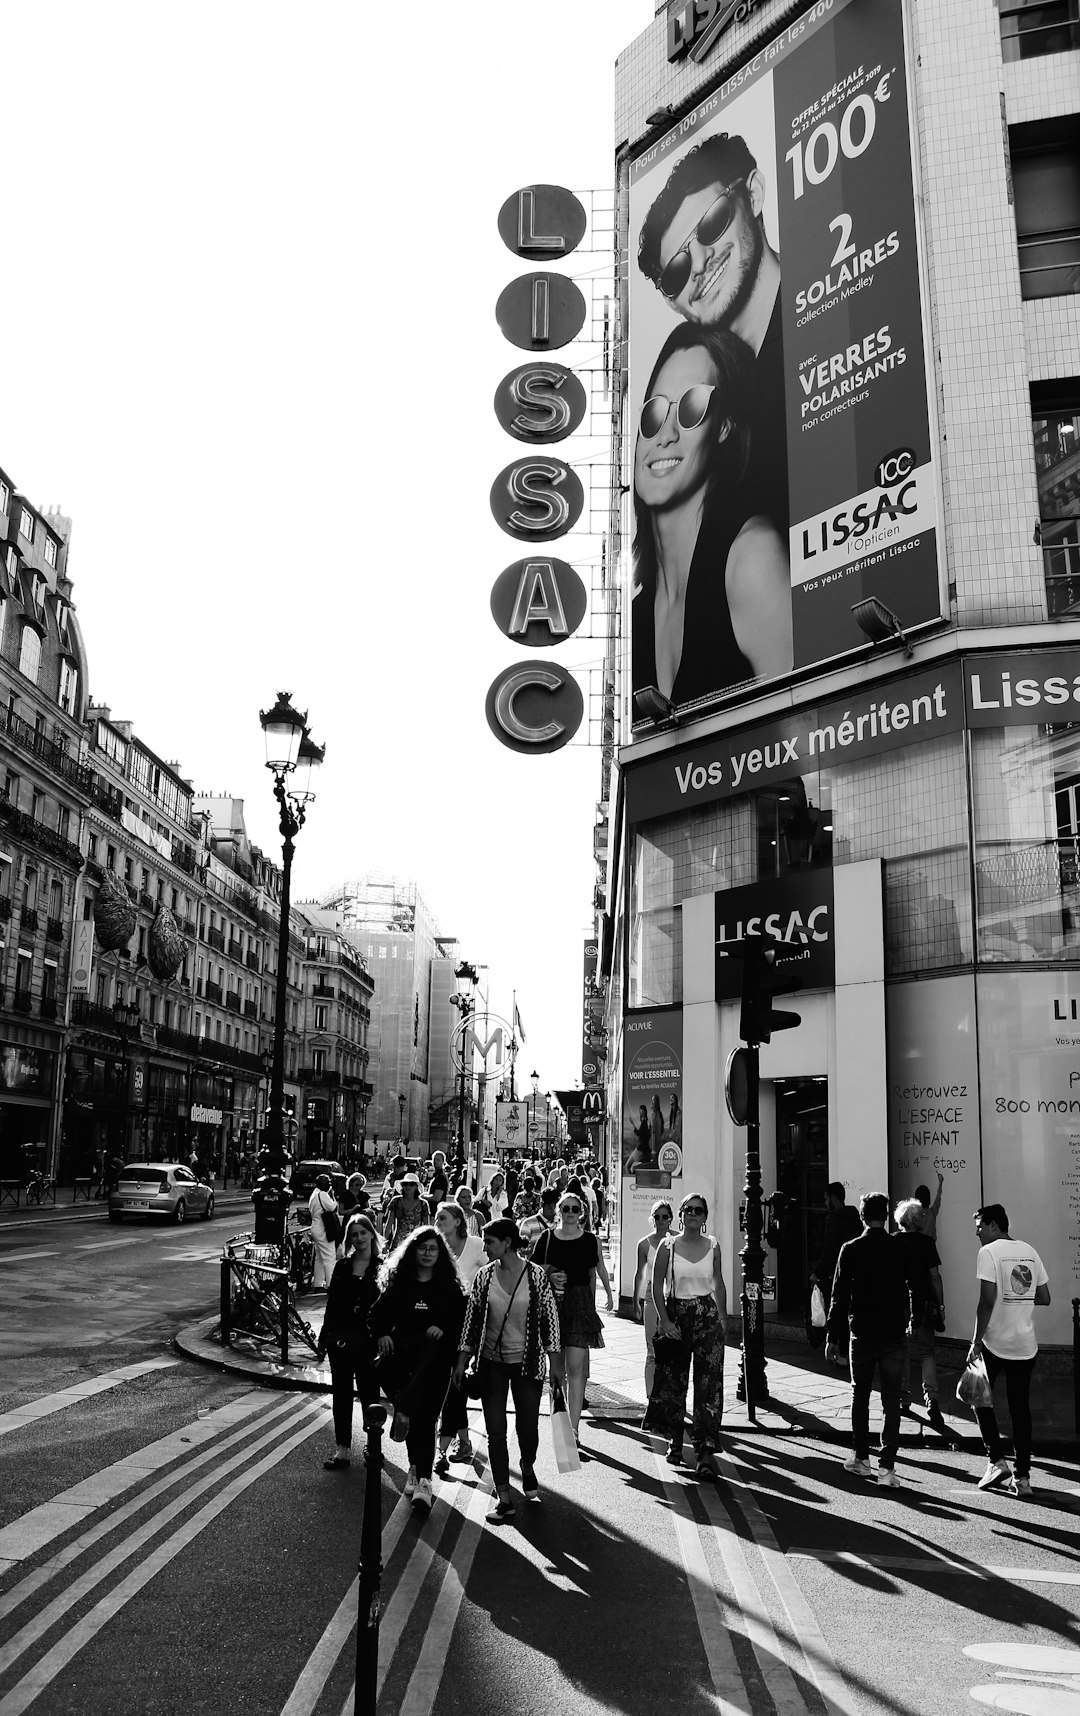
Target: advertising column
(651, 1125)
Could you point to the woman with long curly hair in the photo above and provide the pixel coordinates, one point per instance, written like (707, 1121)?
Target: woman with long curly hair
(416, 1322)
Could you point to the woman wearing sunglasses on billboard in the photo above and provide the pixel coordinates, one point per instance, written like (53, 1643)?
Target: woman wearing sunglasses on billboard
(712, 595)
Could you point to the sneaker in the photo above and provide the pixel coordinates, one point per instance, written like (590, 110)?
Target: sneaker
(859, 1468)
(530, 1489)
(422, 1499)
(997, 1472)
(410, 1482)
(462, 1448)
(887, 1478)
(674, 1454)
(339, 1463)
(502, 1510)
(442, 1466)
(1020, 1487)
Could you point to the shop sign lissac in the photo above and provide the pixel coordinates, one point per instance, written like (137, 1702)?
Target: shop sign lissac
(536, 706)
(779, 389)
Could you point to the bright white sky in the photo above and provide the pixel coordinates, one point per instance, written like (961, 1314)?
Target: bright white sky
(250, 349)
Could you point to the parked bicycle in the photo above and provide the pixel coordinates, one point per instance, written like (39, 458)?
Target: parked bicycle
(40, 1187)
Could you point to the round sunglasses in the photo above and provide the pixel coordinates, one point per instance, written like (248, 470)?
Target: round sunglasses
(712, 225)
(691, 409)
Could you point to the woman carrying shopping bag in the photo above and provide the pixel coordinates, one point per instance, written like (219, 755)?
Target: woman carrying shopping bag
(691, 1304)
(512, 1330)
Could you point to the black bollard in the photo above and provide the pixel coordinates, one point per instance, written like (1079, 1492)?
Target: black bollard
(369, 1598)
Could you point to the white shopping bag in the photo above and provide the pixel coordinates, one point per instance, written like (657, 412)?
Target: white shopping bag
(563, 1440)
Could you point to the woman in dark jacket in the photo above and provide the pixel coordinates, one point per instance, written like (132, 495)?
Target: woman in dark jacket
(345, 1334)
(416, 1323)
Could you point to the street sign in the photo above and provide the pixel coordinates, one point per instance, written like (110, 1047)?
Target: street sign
(737, 1085)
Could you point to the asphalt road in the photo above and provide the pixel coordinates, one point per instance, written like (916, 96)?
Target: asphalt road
(169, 1542)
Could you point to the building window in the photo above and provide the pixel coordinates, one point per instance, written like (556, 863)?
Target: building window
(26, 524)
(1031, 27)
(37, 805)
(56, 898)
(318, 1060)
(1055, 417)
(69, 686)
(24, 966)
(1046, 193)
(63, 821)
(110, 858)
(11, 562)
(321, 1014)
(50, 550)
(48, 981)
(11, 786)
(5, 496)
(30, 653)
(128, 870)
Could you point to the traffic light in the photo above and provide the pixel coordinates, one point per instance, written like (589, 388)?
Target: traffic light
(765, 976)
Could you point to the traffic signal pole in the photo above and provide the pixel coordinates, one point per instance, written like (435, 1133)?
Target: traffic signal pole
(752, 1255)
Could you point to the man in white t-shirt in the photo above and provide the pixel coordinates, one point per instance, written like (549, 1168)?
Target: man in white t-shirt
(1012, 1281)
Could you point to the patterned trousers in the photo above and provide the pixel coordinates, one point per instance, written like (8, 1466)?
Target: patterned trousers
(703, 1348)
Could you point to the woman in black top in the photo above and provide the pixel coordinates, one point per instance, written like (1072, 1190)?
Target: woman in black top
(416, 1323)
(572, 1260)
(345, 1335)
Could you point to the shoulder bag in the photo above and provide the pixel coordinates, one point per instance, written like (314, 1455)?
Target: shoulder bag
(472, 1379)
(668, 1349)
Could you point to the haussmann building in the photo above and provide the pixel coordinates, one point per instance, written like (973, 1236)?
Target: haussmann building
(849, 258)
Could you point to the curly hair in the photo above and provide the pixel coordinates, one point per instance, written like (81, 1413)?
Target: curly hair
(720, 160)
(400, 1266)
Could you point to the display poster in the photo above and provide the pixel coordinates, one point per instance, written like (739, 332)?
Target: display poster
(652, 1086)
(592, 1014)
(934, 1123)
(511, 1124)
(637, 1225)
(778, 407)
(1029, 1053)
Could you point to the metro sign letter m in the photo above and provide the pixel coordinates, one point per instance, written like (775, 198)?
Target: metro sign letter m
(483, 1049)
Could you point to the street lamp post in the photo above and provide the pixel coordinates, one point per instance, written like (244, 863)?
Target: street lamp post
(289, 751)
(535, 1077)
(401, 1101)
(463, 973)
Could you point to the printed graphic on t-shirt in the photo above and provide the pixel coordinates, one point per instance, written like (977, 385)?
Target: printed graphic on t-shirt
(1020, 1283)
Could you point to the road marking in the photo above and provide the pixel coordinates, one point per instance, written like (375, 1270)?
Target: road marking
(34, 1530)
(427, 1676)
(24, 1256)
(915, 1564)
(1029, 1700)
(821, 1666)
(46, 1669)
(1038, 1659)
(724, 1670)
(20, 1416)
(107, 1244)
(207, 1254)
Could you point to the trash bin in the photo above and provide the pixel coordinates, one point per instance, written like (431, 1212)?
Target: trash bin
(271, 1200)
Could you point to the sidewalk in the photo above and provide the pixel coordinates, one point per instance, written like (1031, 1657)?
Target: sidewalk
(808, 1397)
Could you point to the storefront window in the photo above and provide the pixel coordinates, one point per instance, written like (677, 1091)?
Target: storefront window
(908, 806)
(1027, 842)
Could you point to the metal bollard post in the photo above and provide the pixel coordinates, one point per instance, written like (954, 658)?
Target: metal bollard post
(369, 1599)
(225, 1304)
(285, 1320)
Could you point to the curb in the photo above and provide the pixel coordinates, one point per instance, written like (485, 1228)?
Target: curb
(197, 1342)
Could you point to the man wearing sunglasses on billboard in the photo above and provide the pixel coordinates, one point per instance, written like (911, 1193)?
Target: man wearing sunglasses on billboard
(703, 245)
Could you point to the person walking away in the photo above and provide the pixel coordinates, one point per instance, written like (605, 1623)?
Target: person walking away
(841, 1224)
(572, 1260)
(416, 1323)
(871, 1305)
(345, 1336)
(927, 1307)
(512, 1330)
(1012, 1281)
(321, 1204)
(405, 1213)
(690, 1299)
(467, 1251)
(644, 1309)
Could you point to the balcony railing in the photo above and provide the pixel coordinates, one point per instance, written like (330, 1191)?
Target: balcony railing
(5, 907)
(147, 901)
(29, 918)
(216, 938)
(251, 1009)
(252, 960)
(236, 949)
(48, 1007)
(54, 929)
(22, 1002)
(213, 992)
(46, 751)
(232, 1000)
(324, 991)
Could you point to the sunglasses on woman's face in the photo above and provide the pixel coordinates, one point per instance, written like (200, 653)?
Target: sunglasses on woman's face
(712, 225)
(571, 1209)
(691, 409)
(693, 1210)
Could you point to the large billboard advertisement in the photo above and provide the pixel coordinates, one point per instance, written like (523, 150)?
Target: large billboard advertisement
(652, 1096)
(783, 449)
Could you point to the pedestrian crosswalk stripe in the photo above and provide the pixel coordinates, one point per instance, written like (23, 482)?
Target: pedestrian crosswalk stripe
(24, 1256)
(20, 1416)
(22, 1694)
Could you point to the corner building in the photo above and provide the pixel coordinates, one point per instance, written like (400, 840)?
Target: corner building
(904, 787)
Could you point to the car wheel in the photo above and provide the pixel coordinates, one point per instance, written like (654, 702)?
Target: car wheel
(116, 1215)
(180, 1212)
(209, 1210)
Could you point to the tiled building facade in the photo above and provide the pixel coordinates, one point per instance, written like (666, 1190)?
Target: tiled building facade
(950, 857)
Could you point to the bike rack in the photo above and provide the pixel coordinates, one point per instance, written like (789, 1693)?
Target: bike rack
(265, 1288)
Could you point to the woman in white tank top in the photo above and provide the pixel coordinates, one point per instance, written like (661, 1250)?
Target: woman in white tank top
(644, 1309)
(690, 1299)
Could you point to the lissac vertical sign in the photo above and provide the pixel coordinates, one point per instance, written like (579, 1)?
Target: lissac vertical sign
(539, 600)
